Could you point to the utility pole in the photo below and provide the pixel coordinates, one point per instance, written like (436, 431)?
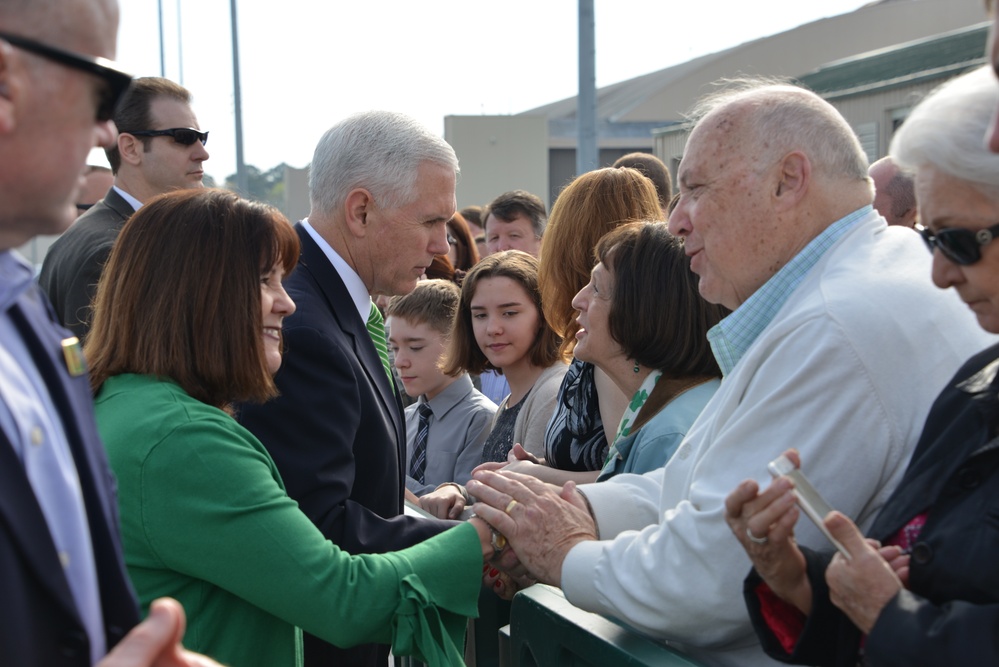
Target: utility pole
(241, 185)
(587, 157)
(162, 56)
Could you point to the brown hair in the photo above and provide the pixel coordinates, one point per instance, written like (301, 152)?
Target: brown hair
(180, 295)
(657, 315)
(467, 252)
(589, 207)
(463, 353)
(653, 169)
(133, 113)
(440, 269)
(511, 205)
(433, 303)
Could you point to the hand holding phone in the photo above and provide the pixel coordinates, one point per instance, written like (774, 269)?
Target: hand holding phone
(808, 498)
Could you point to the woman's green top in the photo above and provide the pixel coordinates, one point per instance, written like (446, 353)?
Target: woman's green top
(206, 520)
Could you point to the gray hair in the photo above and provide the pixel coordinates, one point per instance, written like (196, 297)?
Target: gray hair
(380, 151)
(947, 130)
(785, 118)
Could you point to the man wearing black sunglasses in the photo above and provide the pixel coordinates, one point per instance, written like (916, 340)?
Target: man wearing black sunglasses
(65, 598)
(159, 149)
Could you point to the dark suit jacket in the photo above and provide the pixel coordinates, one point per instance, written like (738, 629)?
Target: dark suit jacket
(950, 612)
(39, 622)
(74, 263)
(337, 431)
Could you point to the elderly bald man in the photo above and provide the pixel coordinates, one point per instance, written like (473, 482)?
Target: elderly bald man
(824, 351)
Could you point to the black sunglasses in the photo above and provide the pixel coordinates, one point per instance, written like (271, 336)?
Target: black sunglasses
(961, 246)
(184, 136)
(117, 80)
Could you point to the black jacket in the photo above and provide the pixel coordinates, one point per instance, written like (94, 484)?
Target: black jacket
(74, 263)
(337, 431)
(950, 613)
(39, 621)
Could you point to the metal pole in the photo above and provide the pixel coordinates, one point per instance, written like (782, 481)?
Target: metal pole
(587, 157)
(240, 167)
(180, 47)
(162, 56)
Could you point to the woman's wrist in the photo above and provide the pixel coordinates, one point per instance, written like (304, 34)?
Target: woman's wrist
(491, 540)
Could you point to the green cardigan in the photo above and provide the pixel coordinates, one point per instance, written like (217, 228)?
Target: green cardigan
(206, 520)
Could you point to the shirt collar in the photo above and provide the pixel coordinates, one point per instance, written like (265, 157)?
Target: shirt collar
(132, 201)
(731, 337)
(450, 396)
(15, 277)
(355, 286)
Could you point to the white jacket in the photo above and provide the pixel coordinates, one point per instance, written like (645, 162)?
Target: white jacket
(846, 372)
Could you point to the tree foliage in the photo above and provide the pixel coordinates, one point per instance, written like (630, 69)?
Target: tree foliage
(265, 186)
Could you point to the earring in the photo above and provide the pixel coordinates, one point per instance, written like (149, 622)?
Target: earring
(636, 367)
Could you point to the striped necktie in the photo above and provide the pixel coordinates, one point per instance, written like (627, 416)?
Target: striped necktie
(418, 466)
(376, 329)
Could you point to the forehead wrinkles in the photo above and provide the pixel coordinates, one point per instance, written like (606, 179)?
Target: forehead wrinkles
(721, 141)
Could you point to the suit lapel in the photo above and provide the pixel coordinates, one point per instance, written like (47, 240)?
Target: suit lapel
(24, 515)
(117, 203)
(341, 305)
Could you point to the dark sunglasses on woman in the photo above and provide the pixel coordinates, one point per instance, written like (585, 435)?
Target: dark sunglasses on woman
(961, 246)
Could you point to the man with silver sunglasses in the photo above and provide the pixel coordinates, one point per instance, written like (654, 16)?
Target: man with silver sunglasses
(159, 149)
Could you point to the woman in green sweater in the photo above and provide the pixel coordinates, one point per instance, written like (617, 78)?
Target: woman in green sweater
(187, 321)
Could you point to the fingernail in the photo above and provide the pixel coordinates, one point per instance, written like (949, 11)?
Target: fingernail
(485, 568)
(498, 585)
(493, 572)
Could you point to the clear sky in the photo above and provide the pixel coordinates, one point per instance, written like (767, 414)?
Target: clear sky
(305, 64)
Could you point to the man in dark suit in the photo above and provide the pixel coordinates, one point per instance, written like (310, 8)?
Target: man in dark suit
(382, 190)
(65, 598)
(145, 162)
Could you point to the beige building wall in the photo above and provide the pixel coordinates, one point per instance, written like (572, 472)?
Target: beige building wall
(873, 116)
(497, 154)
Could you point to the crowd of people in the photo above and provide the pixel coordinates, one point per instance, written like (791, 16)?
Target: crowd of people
(205, 452)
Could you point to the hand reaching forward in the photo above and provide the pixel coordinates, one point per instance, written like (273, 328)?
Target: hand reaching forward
(541, 523)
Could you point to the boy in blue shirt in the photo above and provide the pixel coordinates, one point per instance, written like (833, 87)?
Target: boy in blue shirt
(446, 427)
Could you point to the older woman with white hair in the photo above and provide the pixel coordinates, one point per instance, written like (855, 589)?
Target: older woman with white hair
(925, 591)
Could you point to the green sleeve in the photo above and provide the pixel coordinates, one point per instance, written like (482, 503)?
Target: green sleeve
(213, 508)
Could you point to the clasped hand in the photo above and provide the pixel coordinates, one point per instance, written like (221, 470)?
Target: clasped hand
(541, 522)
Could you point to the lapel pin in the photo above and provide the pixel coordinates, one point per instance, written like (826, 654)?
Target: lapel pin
(73, 354)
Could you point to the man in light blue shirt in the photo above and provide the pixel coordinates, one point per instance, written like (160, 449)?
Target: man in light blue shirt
(825, 350)
(65, 598)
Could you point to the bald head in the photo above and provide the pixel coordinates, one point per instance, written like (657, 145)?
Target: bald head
(49, 110)
(780, 118)
(64, 23)
(767, 168)
(894, 193)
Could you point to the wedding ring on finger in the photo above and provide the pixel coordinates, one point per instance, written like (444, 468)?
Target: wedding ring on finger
(509, 506)
(754, 539)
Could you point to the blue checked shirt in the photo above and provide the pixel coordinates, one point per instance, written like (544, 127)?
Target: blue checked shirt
(731, 337)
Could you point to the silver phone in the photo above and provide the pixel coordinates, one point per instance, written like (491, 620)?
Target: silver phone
(809, 500)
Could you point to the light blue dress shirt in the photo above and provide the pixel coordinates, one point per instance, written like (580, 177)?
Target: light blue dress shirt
(30, 421)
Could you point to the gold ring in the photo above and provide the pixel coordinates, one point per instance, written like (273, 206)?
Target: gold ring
(509, 506)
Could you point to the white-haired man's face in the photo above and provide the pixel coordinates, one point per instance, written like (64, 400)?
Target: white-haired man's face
(724, 212)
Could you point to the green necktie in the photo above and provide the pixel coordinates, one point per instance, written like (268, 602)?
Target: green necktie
(376, 329)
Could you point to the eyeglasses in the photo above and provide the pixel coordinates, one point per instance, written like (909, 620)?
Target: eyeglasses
(961, 246)
(185, 136)
(117, 80)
